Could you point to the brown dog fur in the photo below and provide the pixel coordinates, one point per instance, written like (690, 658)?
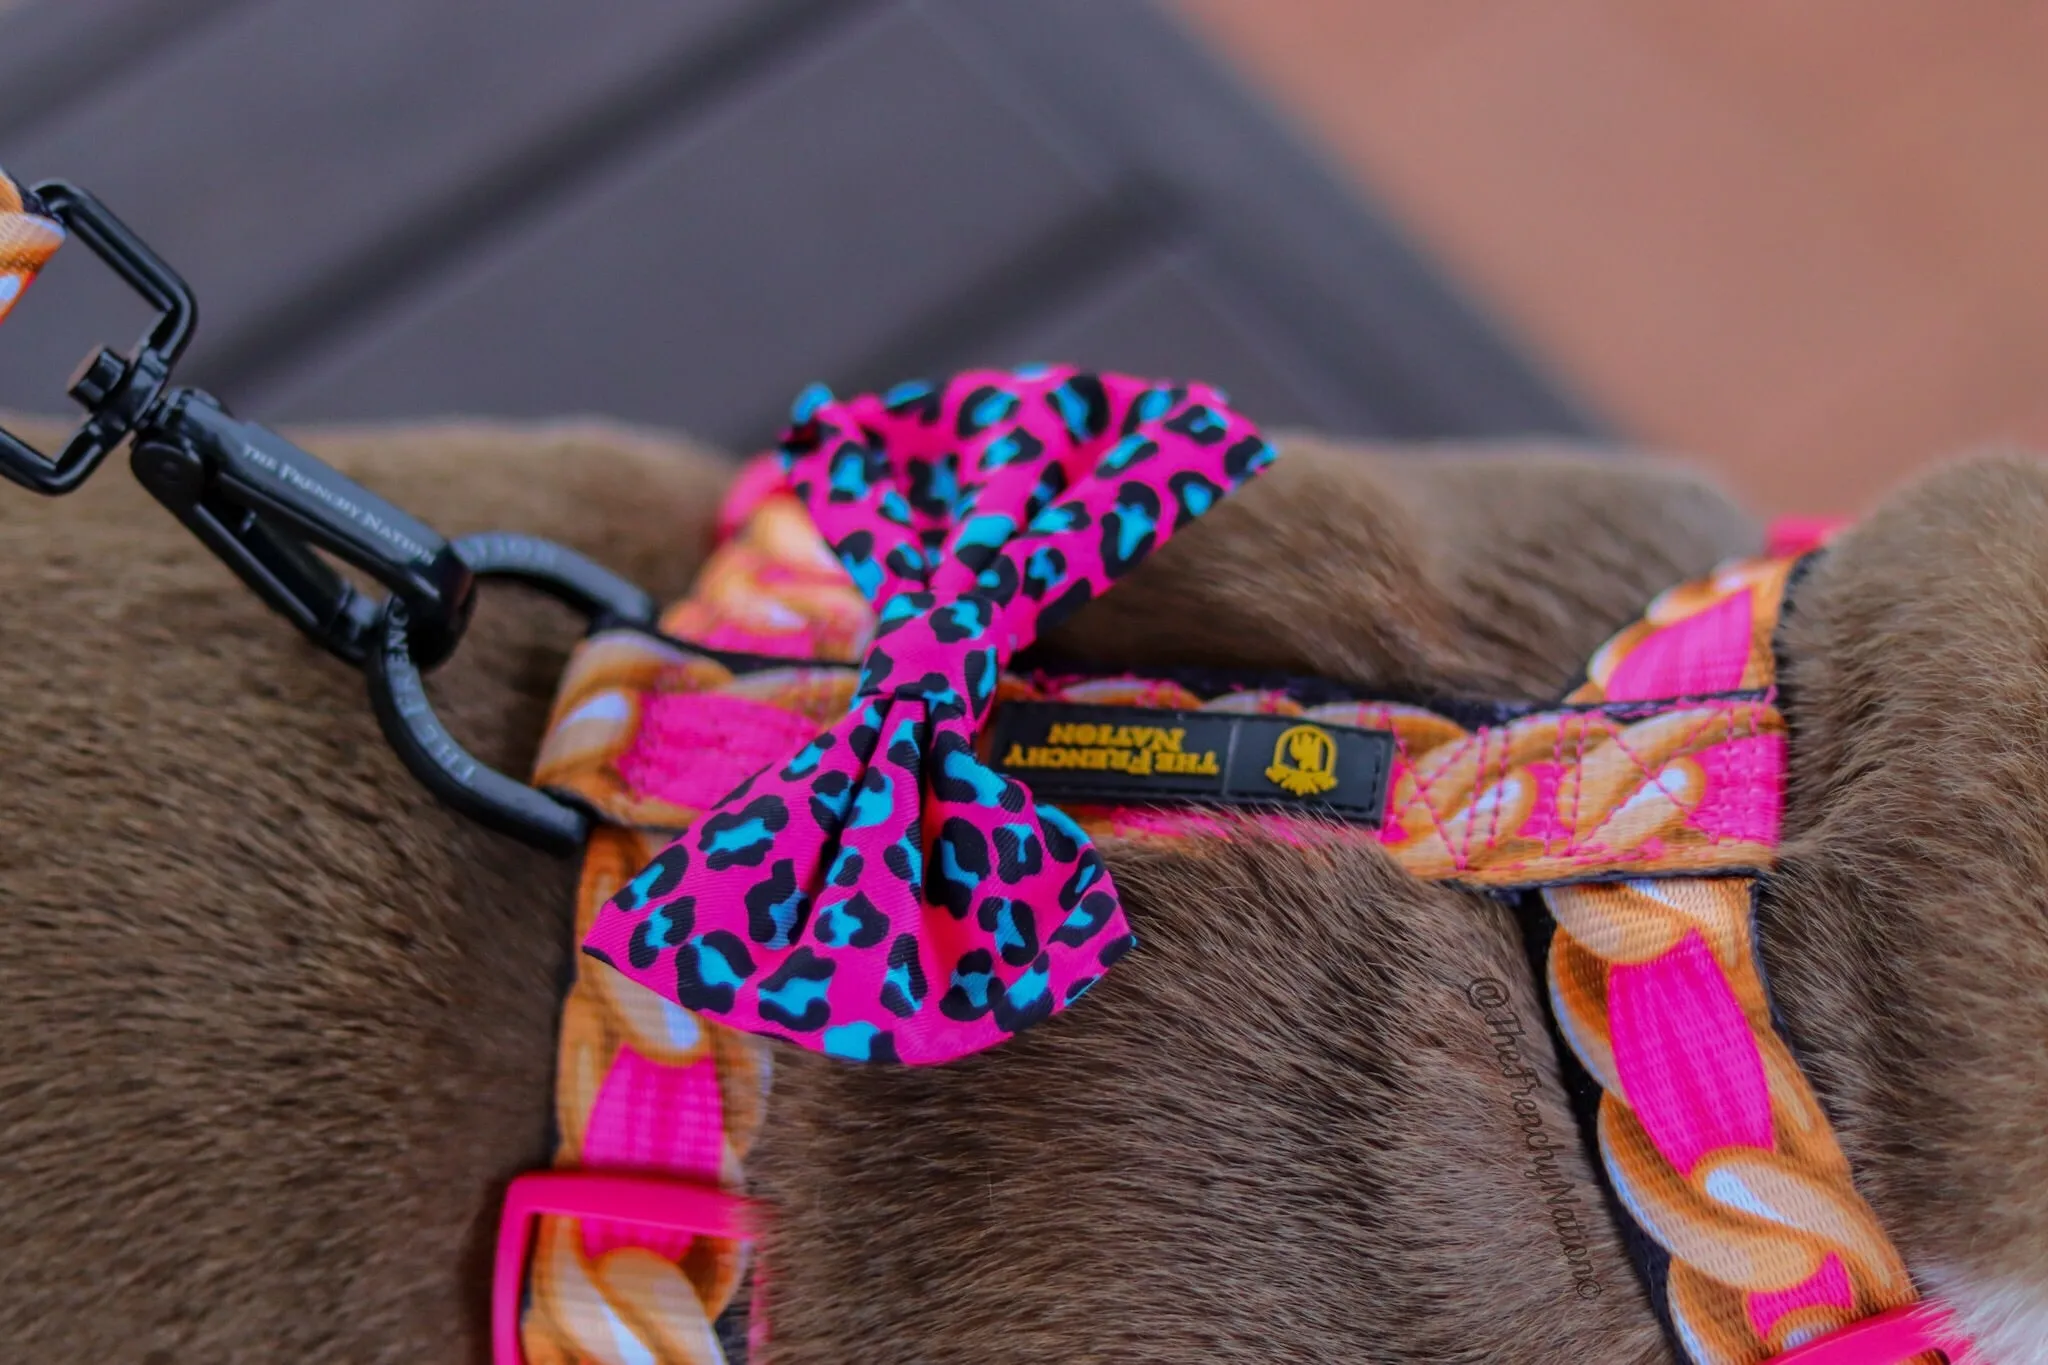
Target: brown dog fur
(284, 1025)
(279, 1027)
(1906, 933)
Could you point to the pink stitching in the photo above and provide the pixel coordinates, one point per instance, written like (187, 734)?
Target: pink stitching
(1493, 824)
(1484, 734)
(1571, 841)
(1743, 718)
(1686, 743)
(1557, 762)
(1422, 792)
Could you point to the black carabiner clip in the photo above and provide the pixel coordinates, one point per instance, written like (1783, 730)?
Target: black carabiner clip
(264, 506)
(269, 510)
(556, 822)
(256, 500)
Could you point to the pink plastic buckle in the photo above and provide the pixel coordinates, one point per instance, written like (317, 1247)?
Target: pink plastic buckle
(649, 1201)
(1888, 1339)
(1797, 535)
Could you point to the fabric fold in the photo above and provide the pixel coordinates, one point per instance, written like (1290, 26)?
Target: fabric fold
(886, 895)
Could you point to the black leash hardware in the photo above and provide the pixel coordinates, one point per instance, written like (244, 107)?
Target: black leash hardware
(263, 506)
(116, 391)
(269, 511)
(256, 500)
(546, 819)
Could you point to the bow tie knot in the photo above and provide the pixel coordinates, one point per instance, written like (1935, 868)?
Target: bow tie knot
(940, 653)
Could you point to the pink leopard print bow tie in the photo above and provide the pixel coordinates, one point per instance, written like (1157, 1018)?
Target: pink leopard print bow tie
(885, 895)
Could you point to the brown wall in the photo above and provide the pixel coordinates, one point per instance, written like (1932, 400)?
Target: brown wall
(1806, 242)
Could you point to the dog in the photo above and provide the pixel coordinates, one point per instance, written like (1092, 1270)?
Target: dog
(287, 1025)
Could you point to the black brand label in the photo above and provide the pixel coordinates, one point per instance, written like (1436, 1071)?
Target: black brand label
(1114, 755)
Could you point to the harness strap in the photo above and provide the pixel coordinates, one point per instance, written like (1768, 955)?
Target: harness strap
(1710, 1136)
(1640, 810)
(645, 1089)
(28, 238)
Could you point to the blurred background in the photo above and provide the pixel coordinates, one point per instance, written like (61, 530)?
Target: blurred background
(1794, 242)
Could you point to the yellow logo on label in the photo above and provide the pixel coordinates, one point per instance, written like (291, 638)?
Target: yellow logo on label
(1304, 761)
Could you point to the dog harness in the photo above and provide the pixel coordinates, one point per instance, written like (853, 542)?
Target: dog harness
(819, 809)
(957, 904)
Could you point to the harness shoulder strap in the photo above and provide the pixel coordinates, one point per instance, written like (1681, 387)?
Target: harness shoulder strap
(1710, 1136)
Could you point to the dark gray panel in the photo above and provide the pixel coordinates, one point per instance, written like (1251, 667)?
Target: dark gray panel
(1366, 315)
(802, 232)
(682, 212)
(54, 53)
(297, 145)
(1170, 319)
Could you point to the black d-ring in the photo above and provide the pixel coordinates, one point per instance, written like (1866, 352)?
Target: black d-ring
(399, 695)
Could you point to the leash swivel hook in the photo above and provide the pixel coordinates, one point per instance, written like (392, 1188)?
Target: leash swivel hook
(118, 393)
(270, 511)
(260, 503)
